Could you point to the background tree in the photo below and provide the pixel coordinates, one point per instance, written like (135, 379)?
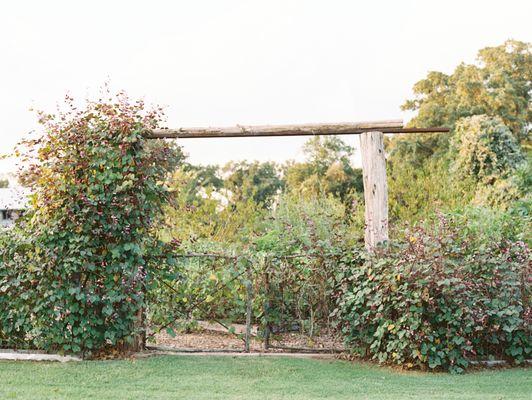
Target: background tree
(486, 152)
(4, 183)
(485, 149)
(430, 170)
(498, 85)
(252, 180)
(327, 169)
(204, 218)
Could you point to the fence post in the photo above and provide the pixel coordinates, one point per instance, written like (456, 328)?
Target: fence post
(267, 305)
(375, 188)
(249, 306)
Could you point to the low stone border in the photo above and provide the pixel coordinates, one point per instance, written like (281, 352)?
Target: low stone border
(34, 355)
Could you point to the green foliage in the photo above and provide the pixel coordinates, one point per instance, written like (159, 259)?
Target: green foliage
(486, 105)
(486, 152)
(300, 246)
(199, 178)
(437, 300)
(4, 183)
(328, 170)
(204, 216)
(76, 278)
(522, 179)
(416, 192)
(300, 224)
(499, 85)
(485, 149)
(255, 181)
(484, 166)
(18, 301)
(483, 226)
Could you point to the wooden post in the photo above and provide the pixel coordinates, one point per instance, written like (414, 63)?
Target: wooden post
(375, 188)
(249, 307)
(267, 329)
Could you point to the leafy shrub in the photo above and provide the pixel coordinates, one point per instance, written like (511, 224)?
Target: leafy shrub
(437, 301)
(416, 190)
(300, 247)
(482, 226)
(75, 278)
(17, 282)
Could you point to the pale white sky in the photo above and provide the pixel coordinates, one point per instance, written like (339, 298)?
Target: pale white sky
(240, 62)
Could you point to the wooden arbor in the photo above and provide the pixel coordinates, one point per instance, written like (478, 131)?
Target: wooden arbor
(371, 145)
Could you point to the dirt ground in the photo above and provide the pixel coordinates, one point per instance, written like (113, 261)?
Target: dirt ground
(214, 337)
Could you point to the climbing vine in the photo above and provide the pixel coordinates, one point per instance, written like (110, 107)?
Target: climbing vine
(90, 247)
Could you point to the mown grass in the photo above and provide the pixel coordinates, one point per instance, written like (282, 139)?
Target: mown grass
(187, 377)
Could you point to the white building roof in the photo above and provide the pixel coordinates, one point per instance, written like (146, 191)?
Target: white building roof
(15, 198)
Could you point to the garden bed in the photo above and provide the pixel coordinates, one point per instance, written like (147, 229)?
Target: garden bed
(214, 337)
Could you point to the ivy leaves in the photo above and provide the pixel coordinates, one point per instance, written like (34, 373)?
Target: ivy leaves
(438, 300)
(98, 192)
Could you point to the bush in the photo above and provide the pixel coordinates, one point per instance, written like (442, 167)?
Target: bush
(434, 300)
(301, 244)
(482, 226)
(17, 282)
(74, 277)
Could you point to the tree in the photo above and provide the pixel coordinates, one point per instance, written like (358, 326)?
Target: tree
(497, 88)
(203, 212)
(4, 183)
(206, 176)
(328, 169)
(193, 181)
(485, 149)
(257, 181)
(500, 84)
(487, 152)
(417, 191)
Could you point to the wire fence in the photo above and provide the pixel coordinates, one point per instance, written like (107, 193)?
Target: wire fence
(277, 293)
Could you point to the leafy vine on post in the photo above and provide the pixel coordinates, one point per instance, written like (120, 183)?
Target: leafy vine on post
(98, 190)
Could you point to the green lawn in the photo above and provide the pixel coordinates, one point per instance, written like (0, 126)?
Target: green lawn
(187, 377)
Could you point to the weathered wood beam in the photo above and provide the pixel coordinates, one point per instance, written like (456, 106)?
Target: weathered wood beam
(278, 130)
(289, 130)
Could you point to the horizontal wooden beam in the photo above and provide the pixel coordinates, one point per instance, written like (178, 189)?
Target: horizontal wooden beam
(277, 130)
(348, 128)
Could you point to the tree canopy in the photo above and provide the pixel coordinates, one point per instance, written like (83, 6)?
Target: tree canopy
(488, 107)
(328, 168)
(499, 84)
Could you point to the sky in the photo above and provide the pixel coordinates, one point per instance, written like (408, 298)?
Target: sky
(228, 62)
